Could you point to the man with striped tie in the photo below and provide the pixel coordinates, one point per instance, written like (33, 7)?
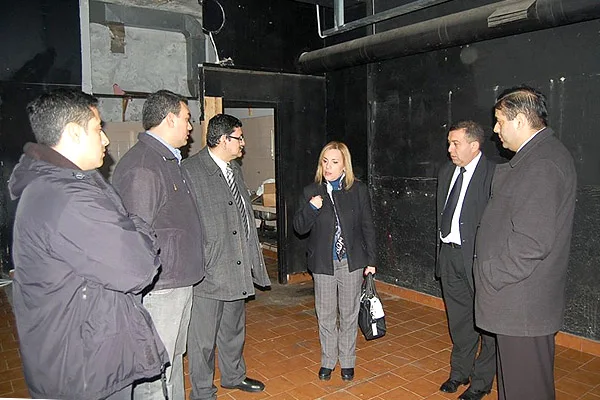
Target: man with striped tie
(234, 262)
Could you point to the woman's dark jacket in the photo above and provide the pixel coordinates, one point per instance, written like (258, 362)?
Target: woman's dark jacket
(356, 220)
(80, 262)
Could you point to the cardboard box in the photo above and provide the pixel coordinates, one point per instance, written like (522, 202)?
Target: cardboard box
(269, 195)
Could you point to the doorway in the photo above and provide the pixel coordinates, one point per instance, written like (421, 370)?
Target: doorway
(298, 102)
(258, 167)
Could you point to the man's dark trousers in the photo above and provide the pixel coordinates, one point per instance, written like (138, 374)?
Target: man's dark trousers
(528, 364)
(459, 299)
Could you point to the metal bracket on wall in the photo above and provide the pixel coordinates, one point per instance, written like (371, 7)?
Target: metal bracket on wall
(340, 26)
(510, 13)
(190, 26)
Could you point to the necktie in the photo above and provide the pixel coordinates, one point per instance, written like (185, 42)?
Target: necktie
(451, 204)
(238, 198)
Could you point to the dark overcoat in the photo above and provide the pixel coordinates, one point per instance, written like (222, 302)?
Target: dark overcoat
(523, 242)
(150, 181)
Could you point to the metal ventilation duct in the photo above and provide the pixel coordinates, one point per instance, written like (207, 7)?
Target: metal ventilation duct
(179, 18)
(487, 22)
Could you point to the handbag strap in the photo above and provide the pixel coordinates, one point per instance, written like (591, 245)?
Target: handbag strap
(370, 286)
(375, 294)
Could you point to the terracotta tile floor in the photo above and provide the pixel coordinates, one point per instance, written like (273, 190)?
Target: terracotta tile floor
(282, 349)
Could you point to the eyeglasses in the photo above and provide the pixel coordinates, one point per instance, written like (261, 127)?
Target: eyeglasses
(240, 138)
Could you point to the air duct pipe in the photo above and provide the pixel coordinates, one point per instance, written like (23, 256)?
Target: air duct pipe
(487, 22)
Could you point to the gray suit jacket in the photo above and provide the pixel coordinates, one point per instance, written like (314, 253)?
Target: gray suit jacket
(522, 248)
(233, 264)
(474, 203)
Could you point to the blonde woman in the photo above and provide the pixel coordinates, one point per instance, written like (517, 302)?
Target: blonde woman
(335, 211)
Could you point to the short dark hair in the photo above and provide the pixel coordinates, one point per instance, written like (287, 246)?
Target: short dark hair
(526, 100)
(51, 112)
(473, 131)
(219, 125)
(158, 105)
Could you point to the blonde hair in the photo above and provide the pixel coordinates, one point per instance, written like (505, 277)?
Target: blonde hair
(346, 159)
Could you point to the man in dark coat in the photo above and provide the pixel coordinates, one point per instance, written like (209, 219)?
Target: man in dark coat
(150, 181)
(234, 262)
(522, 247)
(463, 191)
(80, 260)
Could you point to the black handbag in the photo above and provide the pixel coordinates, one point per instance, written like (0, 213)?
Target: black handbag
(371, 318)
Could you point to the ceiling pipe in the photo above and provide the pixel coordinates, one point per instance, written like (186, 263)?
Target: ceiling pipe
(487, 22)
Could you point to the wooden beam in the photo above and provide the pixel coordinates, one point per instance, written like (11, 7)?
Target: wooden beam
(212, 107)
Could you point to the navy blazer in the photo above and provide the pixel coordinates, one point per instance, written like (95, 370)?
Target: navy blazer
(474, 203)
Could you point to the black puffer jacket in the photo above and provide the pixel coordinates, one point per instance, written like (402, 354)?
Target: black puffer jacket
(79, 263)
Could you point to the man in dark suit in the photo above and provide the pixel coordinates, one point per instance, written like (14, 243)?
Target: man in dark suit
(462, 194)
(523, 247)
(234, 262)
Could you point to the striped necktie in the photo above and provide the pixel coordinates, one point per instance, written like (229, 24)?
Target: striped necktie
(238, 199)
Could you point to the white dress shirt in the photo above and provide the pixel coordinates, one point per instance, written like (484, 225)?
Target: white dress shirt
(529, 140)
(454, 235)
(223, 166)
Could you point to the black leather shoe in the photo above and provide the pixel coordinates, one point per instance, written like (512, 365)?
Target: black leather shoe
(347, 374)
(451, 385)
(248, 385)
(471, 394)
(325, 374)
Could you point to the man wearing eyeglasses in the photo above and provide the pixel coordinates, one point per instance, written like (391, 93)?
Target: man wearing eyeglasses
(234, 262)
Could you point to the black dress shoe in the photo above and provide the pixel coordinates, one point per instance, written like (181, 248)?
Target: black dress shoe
(471, 394)
(325, 374)
(451, 385)
(248, 385)
(347, 374)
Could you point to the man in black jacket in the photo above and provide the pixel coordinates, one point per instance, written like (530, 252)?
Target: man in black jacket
(463, 192)
(151, 182)
(80, 261)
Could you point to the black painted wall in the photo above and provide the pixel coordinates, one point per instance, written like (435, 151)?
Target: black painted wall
(267, 34)
(346, 98)
(40, 49)
(412, 100)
